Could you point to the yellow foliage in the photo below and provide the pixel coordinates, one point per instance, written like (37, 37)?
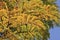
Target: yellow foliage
(27, 19)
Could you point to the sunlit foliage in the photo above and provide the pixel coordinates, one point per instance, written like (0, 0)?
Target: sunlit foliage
(27, 19)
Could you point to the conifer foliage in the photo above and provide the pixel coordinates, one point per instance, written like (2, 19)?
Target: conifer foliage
(27, 19)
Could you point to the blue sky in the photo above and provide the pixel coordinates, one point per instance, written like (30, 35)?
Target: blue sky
(58, 2)
(55, 32)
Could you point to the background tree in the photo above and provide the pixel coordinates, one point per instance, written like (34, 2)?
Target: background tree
(27, 19)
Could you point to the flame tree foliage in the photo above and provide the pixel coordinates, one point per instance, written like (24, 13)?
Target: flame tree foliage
(27, 19)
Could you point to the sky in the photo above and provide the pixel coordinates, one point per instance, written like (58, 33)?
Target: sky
(58, 3)
(55, 32)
